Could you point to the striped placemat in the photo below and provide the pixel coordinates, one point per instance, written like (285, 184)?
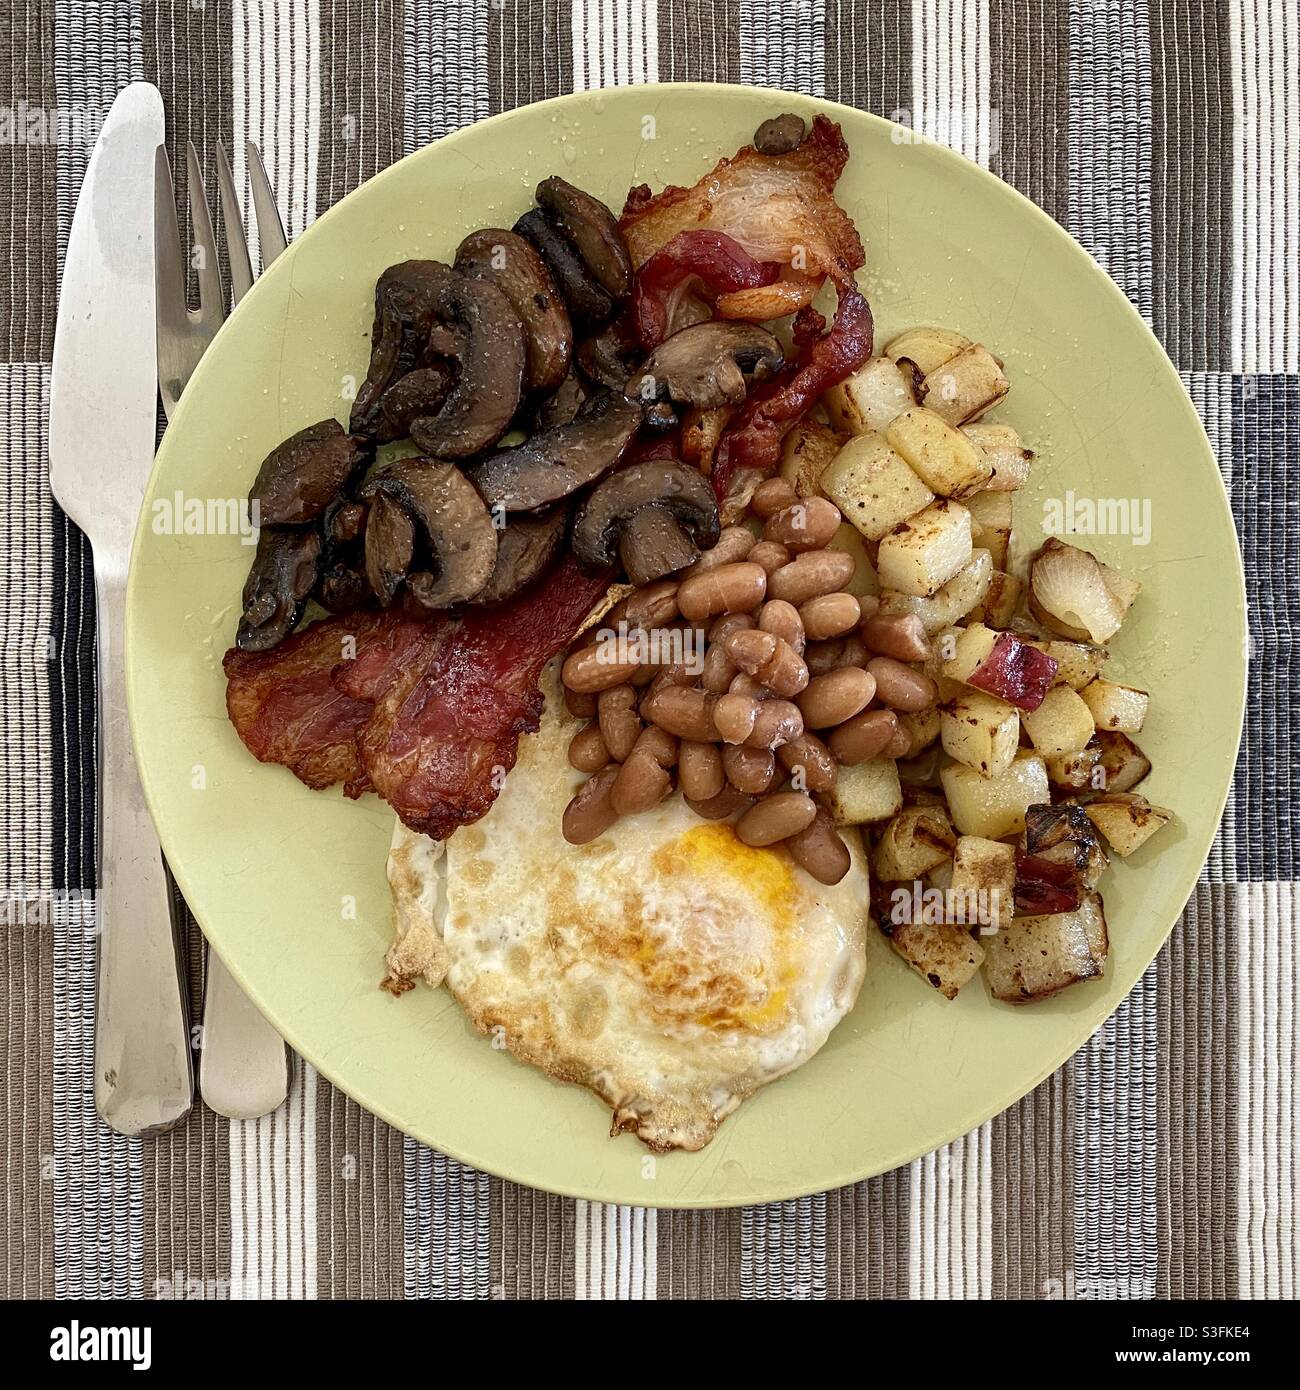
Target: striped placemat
(1162, 1160)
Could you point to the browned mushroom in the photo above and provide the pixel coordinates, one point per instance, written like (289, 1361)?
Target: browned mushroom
(341, 586)
(780, 135)
(525, 549)
(390, 546)
(410, 398)
(612, 355)
(514, 266)
(562, 405)
(587, 301)
(555, 463)
(657, 516)
(453, 531)
(593, 232)
(301, 477)
(284, 573)
(705, 366)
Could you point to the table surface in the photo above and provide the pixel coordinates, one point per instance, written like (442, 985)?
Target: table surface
(1163, 1159)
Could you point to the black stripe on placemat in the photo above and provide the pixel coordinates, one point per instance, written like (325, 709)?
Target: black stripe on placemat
(1265, 494)
(869, 55)
(1029, 92)
(699, 42)
(1191, 181)
(529, 52)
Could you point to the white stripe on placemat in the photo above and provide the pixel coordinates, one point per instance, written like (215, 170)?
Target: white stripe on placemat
(783, 1250)
(275, 76)
(445, 74)
(615, 43)
(1268, 1096)
(783, 44)
(447, 1223)
(25, 771)
(950, 1220)
(1265, 46)
(616, 1252)
(950, 75)
(273, 1197)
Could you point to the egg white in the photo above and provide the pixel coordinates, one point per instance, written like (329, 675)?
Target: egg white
(665, 966)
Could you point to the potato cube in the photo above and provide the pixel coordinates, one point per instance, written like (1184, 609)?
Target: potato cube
(990, 524)
(863, 582)
(1061, 724)
(923, 727)
(916, 840)
(1002, 602)
(1034, 957)
(941, 456)
(1078, 662)
(970, 650)
(806, 454)
(1116, 707)
(871, 398)
(1123, 764)
(867, 791)
(1073, 771)
(873, 486)
(945, 956)
(928, 348)
(1126, 821)
(965, 386)
(984, 882)
(981, 731)
(1005, 452)
(922, 554)
(962, 594)
(994, 807)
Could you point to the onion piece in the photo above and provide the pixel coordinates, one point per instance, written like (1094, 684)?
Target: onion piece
(1070, 593)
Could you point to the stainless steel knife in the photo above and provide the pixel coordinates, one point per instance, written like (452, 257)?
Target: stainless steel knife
(103, 413)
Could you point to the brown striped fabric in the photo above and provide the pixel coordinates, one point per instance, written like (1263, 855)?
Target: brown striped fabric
(1160, 1160)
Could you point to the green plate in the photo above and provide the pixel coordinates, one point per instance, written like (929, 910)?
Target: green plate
(289, 884)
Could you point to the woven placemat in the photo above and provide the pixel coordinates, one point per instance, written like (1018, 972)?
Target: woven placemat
(1162, 1160)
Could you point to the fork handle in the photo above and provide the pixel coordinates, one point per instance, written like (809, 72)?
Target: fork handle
(144, 1078)
(244, 1064)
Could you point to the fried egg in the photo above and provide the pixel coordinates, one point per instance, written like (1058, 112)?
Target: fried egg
(665, 966)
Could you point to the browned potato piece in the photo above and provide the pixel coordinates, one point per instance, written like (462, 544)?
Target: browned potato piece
(945, 956)
(1035, 957)
(808, 449)
(1001, 603)
(915, 841)
(1127, 822)
(1123, 763)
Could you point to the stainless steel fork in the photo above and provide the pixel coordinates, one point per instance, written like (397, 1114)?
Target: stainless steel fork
(244, 1065)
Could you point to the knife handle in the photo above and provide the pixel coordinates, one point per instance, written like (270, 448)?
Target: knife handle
(144, 1076)
(244, 1064)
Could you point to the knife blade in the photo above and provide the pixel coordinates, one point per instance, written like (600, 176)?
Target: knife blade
(103, 411)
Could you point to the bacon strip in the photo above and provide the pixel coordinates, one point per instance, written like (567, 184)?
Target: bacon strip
(753, 439)
(778, 207)
(427, 711)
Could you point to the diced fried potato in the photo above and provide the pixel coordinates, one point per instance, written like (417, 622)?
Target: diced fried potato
(965, 386)
(915, 840)
(1073, 771)
(984, 875)
(980, 731)
(943, 955)
(928, 348)
(873, 486)
(1078, 662)
(1034, 957)
(990, 524)
(1123, 764)
(951, 601)
(1061, 724)
(1127, 822)
(866, 792)
(922, 554)
(1119, 708)
(923, 727)
(970, 651)
(806, 454)
(871, 398)
(941, 456)
(1005, 452)
(863, 582)
(1002, 602)
(994, 807)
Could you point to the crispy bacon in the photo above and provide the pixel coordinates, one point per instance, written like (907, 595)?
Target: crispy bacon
(753, 439)
(690, 257)
(427, 711)
(778, 207)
